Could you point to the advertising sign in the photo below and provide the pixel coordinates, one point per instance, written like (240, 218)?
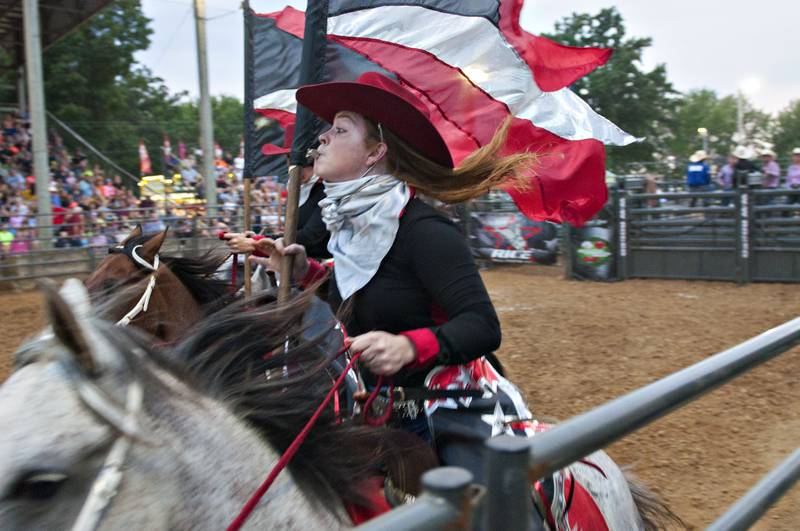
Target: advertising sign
(511, 237)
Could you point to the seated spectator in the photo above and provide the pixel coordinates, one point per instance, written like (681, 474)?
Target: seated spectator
(74, 221)
(97, 237)
(153, 224)
(63, 240)
(146, 202)
(15, 179)
(6, 238)
(22, 243)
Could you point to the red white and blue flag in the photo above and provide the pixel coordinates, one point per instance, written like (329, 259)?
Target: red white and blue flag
(473, 65)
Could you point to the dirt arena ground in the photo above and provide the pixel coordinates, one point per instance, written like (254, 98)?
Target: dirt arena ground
(574, 345)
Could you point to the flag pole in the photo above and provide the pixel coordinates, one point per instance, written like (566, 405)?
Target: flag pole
(311, 71)
(247, 171)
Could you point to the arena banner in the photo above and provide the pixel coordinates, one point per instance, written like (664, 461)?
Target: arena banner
(513, 238)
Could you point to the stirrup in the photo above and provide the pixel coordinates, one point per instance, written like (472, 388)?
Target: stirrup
(394, 495)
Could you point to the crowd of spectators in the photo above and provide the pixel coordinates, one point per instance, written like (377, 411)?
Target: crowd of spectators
(93, 208)
(741, 161)
(88, 206)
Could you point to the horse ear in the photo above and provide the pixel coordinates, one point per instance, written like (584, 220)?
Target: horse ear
(66, 322)
(135, 233)
(153, 245)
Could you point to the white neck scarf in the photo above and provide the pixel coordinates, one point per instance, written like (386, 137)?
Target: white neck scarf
(363, 216)
(305, 189)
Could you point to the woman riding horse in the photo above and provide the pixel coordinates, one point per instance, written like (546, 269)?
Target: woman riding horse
(408, 290)
(404, 273)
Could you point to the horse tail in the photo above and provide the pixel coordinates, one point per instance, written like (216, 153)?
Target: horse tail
(655, 513)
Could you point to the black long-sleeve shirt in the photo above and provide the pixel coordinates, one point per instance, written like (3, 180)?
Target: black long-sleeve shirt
(428, 280)
(311, 232)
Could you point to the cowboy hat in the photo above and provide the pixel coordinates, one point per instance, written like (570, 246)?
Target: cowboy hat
(271, 149)
(767, 153)
(382, 100)
(697, 156)
(743, 152)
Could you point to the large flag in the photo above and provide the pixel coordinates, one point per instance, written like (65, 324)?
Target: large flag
(144, 160)
(474, 66)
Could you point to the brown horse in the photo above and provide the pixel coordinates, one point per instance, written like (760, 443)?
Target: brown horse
(184, 291)
(163, 295)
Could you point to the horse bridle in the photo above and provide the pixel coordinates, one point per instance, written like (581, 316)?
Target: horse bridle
(106, 485)
(144, 301)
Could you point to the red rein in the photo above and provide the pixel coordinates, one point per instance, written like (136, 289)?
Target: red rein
(248, 507)
(251, 504)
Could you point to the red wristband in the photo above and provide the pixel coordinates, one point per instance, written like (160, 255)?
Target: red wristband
(425, 344)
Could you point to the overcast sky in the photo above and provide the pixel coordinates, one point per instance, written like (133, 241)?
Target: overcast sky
(717, 44)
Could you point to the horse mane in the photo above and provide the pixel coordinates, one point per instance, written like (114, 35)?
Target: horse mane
(240, 357)
(197, 274)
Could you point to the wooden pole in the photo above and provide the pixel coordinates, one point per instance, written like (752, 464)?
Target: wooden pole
(312, 70)
(247, 173)
(248, 287)
(290, 233)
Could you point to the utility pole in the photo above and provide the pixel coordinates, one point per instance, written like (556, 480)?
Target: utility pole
(740, 117)
(703, 132)
(41, 167)
(22, 97)
(206, 123)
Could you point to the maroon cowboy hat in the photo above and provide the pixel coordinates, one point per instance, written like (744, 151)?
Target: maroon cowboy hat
(271, 149)
(382, 100)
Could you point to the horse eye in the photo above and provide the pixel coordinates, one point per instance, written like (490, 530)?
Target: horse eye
(38, 486)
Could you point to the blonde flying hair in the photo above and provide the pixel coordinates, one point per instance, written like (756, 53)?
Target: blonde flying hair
(480, 172)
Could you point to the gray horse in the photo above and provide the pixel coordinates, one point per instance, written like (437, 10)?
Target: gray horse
(97, 435)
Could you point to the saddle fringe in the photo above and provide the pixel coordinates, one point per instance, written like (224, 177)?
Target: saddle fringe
(655, 513)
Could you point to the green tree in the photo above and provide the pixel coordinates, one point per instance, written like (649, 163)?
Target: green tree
(639, 101)
(94, 84)
(704, 109)
(227, 112)
(787, 129)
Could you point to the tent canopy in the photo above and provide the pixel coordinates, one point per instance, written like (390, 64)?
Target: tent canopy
(58, 18)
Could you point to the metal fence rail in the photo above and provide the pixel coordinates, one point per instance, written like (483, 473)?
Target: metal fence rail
(740, 235)
(513, 463)
(581, 435)
(79, 261)
(746, 512)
